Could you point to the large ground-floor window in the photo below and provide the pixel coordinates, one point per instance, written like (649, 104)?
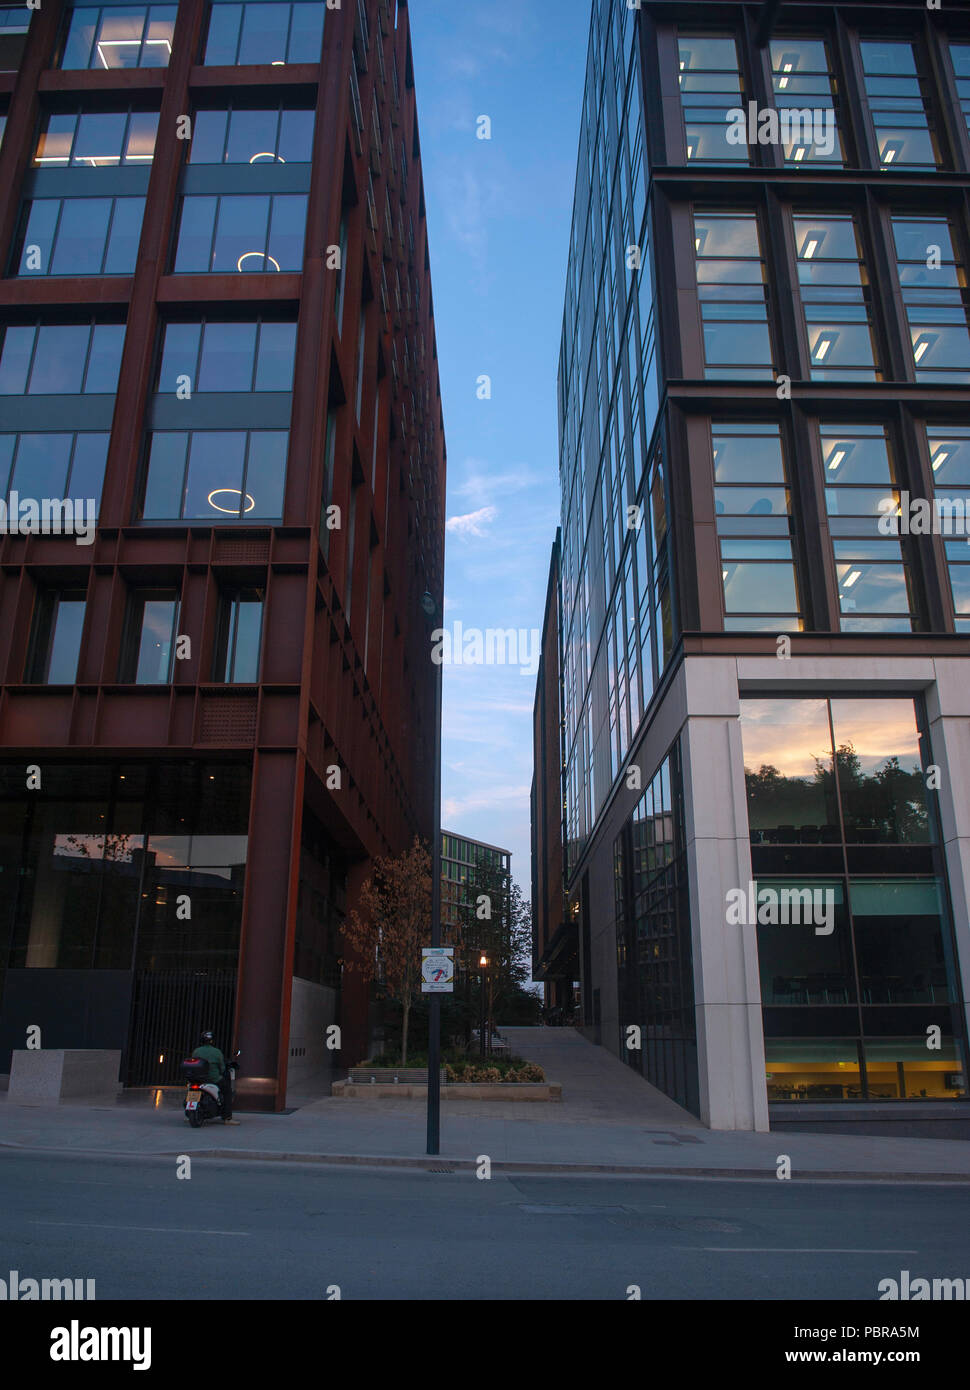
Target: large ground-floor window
(858, 962)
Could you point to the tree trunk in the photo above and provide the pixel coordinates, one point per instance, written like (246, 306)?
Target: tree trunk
(404, 1036)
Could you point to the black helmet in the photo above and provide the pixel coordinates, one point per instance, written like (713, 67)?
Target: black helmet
(208, 1037)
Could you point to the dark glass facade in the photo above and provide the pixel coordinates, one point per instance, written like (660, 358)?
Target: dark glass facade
(763, 370)
(653, 946)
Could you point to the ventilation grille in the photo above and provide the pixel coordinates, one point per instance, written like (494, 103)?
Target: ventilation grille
(243, 550)
(228, 719)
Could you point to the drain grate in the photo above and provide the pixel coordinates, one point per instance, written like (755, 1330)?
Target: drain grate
(440, 1170)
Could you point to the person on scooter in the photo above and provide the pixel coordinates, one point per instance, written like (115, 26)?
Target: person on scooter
(219, 1073)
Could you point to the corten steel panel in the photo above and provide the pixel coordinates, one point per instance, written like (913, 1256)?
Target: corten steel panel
(135, 719)
(36, 720)
(279, 720)
(269, 917)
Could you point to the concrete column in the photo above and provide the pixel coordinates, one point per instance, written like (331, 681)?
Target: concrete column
(727, 990)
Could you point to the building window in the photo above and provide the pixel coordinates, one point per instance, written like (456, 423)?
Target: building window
(149, 648)
(238, 135)
(898, 107)
(839, 815)
(361, 349)
(933, 283)
(238, 233)
(733, 296)
(710, 87)
(215, 475)
(950, 461)
(45, 466)
(56, 640)
(60, 359)
(960, 58)
(96, 139)
(236, 657)
(752, 504)
(875, 591)
(329, 450)
(138, 36)
(806, 95)
(14, 24)
(227, 356)
(835, 296)
(341, 279)
(264, 33)
(79, 236)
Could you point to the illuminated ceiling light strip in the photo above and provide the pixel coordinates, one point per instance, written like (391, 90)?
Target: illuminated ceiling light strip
(837, 458)
(850, 579)
(823, 343)
(922, 344)
(940, 458)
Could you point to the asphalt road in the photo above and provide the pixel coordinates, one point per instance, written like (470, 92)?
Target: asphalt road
(271, 1230)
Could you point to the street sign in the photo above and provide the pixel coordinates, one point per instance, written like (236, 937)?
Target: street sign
(437, 970)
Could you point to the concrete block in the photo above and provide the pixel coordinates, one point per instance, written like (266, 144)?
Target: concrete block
(46, 1076)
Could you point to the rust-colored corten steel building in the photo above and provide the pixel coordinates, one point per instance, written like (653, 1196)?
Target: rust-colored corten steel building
(217, 706)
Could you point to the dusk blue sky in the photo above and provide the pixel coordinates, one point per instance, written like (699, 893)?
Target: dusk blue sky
(499, 213)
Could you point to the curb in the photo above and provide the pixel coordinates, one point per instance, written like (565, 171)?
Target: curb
(435, 1164)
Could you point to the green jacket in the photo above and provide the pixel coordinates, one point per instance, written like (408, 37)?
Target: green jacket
(212, 1055)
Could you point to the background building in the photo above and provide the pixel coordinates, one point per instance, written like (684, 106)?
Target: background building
(554, 937)
(216, 322)
(765, 349)
(468, 868)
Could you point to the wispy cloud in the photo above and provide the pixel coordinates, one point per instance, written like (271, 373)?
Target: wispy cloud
(472, 523)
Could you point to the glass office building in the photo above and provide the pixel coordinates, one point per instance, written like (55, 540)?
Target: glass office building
(222, 486)
(763, 394)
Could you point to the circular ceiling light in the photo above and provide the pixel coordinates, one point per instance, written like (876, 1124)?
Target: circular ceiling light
(267, 154)
(262, 256)
(236, 492)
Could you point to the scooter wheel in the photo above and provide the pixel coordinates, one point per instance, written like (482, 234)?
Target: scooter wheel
(195, 1118)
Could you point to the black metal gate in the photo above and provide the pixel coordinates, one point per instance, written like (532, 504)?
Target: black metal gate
(170, 1010)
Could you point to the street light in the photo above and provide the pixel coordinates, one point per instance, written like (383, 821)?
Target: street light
(483, 966)
(429, 608)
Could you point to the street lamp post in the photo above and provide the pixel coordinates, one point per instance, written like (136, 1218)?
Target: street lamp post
(483, 966)
(430, 609)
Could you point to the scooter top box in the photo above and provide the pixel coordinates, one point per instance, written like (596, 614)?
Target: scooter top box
(195, 1068)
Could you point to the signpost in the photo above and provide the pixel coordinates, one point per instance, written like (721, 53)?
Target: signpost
(437, 970)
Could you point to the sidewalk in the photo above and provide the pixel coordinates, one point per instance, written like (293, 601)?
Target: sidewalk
(609, 1121)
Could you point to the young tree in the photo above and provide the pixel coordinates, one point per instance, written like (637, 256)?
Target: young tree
(391, 927)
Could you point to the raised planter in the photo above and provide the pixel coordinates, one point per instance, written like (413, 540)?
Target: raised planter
(450, 1090)
(393, 1076)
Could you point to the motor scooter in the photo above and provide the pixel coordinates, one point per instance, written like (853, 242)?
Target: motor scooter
(202, 1098)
